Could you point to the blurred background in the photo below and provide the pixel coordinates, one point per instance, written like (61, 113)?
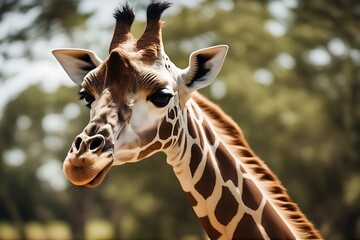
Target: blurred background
(291, 80)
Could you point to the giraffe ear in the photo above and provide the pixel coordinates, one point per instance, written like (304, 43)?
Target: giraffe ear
(77, 62)
(204, 65)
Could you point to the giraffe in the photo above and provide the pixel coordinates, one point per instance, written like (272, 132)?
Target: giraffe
(141, 103)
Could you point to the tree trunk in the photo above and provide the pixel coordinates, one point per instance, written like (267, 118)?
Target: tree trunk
(13, 212)
(79, 206)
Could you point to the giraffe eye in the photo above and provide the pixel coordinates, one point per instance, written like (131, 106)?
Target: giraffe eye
(161, 97)
(87, 97)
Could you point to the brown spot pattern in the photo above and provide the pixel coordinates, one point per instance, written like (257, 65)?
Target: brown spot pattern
(195, 159)
(176, 111)
(171, 114)
(227, 207)
(205, 186)
(185, 147)
(155, 146)
(180, 136)
(176, 128)
(247, 229)
(167, 144)
(196, 114)
(274, 225)
(210, 230)
(190, 127)
(209, 133)
(148, 136)
(251, 195)
(201, 138)
(226, 164)
(235, 137)
(191, 199)
(165, 130)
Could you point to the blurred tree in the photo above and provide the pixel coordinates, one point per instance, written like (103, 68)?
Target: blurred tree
(329, 67)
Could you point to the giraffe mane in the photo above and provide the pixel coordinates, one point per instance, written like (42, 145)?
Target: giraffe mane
(234, 138)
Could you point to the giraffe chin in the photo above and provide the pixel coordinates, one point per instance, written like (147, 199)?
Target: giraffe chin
(99, 177)
(89, 175)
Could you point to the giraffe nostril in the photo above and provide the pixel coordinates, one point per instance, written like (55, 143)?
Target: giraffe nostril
(78, 142)
(96, 143)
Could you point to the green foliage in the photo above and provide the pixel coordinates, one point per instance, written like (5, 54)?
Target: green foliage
(294, 91)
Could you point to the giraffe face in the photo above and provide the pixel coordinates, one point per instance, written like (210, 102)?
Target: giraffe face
(128, 102)
(134, 97)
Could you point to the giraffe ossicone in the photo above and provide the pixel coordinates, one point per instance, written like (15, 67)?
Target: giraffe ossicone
(141, 103)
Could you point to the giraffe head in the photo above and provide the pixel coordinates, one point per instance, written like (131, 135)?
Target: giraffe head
(134, 96)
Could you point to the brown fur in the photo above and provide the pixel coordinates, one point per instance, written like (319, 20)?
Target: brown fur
(234, 137)
(124, 18)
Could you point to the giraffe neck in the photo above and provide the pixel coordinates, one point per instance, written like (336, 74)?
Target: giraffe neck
(216, 172)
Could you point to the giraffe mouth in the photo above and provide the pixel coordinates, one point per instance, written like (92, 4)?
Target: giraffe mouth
(99, 177)
(88, 170)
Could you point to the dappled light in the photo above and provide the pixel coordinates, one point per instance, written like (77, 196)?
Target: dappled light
(275, 28)
(14, 157)
(54, 122)
(71, 111)
(263, 76)
(218, 89)
(318, 57)
(286, 61)
(51, 173)
(23, 122)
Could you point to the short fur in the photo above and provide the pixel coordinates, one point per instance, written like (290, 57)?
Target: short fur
(124, 16)
(234, 137)
(151, 40)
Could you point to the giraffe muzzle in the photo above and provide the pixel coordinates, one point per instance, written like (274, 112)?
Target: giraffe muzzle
(90, 158)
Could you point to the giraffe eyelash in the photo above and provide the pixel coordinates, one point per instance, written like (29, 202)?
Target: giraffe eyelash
(85, 95)
(147, 79)
(151, 80)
